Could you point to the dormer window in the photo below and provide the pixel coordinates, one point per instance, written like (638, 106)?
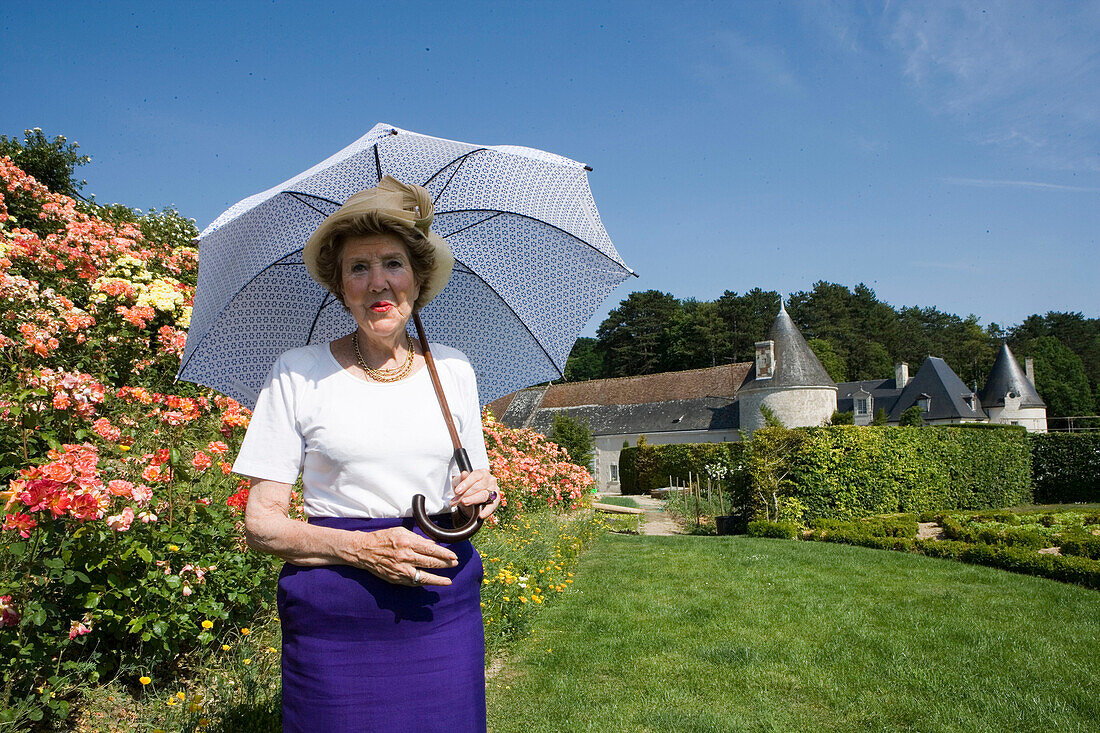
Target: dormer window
(862, 405)
(925, 403)
(969, 401)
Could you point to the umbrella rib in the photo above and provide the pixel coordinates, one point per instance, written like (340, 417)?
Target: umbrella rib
(511, 310)
(461, 158)
(531, 218)
(317, 316)
(298, 196)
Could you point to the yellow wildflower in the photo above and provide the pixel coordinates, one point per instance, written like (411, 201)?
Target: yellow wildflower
(144, 680)
(208, 624)
(247, 661)
(245, 631)
(225, 647)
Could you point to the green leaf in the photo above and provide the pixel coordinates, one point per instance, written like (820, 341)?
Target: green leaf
(16, 549)
(144, 554)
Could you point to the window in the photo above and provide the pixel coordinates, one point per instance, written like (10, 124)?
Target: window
(862, 408)
(614, 471)
(925, 403)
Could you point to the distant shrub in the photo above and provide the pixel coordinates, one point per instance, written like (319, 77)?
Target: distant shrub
(777, 530)
(1082, 547)
(944, 549)
(1065, 467)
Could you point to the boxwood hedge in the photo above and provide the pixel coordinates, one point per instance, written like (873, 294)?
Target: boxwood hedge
(1065, 467)
(848, 471)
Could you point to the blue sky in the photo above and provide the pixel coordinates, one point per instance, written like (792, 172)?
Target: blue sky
(947, 154)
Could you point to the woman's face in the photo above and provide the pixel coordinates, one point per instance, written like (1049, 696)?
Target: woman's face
(379, 285)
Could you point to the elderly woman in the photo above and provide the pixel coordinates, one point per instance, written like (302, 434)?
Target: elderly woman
(382, 627)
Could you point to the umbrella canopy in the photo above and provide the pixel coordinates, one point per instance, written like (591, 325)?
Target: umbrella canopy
(532, 262)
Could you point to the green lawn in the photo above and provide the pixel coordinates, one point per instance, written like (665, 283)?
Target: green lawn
(618, 501)
(740, 634)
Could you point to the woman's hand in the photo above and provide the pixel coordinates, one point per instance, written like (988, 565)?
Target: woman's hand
(399, 556)
(395, 554)
(475, 488)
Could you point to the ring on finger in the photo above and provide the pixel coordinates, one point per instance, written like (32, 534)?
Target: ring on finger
(416, 577)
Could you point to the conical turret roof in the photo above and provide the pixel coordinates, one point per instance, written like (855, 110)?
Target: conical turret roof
(1007, 376)
(796, 365)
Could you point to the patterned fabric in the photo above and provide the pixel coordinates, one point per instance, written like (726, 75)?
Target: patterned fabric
(532, 262)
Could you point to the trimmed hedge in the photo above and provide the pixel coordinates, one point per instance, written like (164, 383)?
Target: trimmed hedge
(1065, 467)
(646, 467)
(1082, 547)
(1081, 571)
(776, 530)
(846, 471)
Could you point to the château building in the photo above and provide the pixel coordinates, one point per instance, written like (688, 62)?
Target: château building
(723, 403)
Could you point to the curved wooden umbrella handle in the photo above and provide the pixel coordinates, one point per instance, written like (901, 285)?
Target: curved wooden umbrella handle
(473, 524)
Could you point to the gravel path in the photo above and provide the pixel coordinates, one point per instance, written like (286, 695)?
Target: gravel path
(657, 520)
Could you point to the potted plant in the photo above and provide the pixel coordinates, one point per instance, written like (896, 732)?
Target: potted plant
(724, 522)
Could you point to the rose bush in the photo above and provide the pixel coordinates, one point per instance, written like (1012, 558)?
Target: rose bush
(121, 545)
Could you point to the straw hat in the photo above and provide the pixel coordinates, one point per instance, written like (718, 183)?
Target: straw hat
(406, 205)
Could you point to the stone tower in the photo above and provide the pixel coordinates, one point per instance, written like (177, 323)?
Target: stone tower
(788, 378)
(1009, 396)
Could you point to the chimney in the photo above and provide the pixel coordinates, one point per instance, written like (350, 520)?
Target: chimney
(1029, 369)
(765, 359)
(901, 375)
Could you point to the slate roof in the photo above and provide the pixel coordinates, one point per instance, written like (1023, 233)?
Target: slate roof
(796, 365)
(947, 392)
(884, 393)
(1007, 376)
(703, 413)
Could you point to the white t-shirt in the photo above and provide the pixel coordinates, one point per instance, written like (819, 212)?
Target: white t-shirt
(364, 449)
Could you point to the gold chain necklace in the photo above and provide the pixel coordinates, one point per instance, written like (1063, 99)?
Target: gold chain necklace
(386, 375)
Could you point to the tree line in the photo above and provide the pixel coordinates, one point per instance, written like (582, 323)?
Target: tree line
(856, 336)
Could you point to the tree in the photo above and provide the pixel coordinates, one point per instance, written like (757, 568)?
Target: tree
(771, 420)
(747, 319)
(880, 417)
(1059, 377)
(829, 359)
(869, 360)
(584, 361)
(770, 462)
(699, 336)
(51, 162)
(575, 437)
(911, 418)
(842, 418)
(635, 337)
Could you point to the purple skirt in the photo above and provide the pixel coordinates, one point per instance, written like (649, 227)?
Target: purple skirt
(361, 654)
